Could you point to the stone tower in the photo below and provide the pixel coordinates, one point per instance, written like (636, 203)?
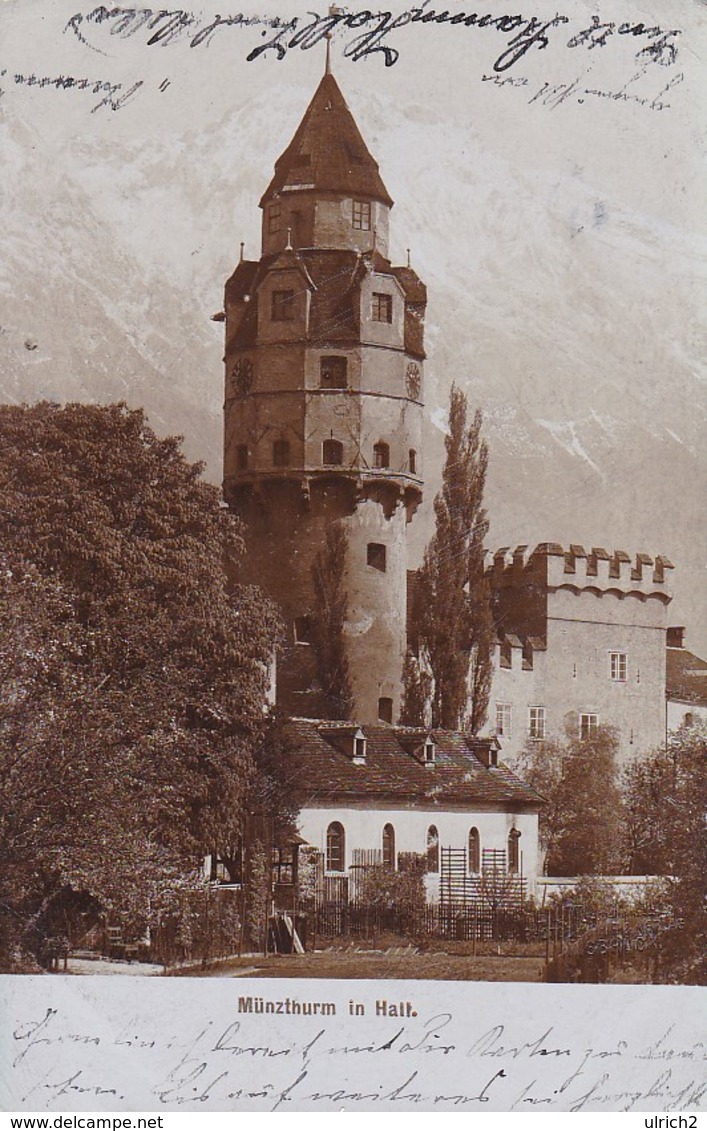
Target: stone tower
(323, 407)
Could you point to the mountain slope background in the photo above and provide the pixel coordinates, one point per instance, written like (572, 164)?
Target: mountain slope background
(561, 247)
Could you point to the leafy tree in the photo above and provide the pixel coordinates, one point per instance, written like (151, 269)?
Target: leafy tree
(134, 673)
(581, 824)
(452, 623)
(666, 803)
(328, 639)
(417, 688)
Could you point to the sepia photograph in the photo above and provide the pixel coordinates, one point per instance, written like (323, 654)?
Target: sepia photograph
(352, 434)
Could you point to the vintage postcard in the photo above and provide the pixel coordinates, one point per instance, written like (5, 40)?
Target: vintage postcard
(382, 689)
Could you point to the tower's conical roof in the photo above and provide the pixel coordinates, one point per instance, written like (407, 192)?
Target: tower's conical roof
(327, 153)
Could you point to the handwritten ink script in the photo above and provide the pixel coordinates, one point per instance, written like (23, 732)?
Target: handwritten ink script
(638, 89)
(375, 31)
(641, 55)
(268, 1045)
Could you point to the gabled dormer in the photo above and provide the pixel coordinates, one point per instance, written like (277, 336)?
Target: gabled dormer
(284, 299)
(419, 743)
(486, 750)
(348, 738)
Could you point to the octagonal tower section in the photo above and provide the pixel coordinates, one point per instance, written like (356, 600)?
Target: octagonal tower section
(323, 408)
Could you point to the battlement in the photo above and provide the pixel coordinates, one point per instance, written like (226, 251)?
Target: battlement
(550, 566)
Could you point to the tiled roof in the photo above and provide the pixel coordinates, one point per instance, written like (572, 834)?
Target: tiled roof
(327, 153)
(394, 775)
(686, 676)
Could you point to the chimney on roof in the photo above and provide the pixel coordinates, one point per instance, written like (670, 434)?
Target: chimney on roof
(676, 636)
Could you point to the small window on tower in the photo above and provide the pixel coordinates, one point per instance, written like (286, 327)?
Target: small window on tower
(381, 455)
(385, 710)
(242, 457)
(412, 461)
(375, 556)
(274, 218)
(332, 453)
(382, 309)
(283, 306)
(618, 666)
(361, 215)
(332, 373)
(281, 453)
(304, 628)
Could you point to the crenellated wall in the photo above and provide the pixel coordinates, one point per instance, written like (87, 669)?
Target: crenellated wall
(580, 632)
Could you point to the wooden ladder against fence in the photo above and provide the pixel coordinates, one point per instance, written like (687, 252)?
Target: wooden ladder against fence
(455, 888)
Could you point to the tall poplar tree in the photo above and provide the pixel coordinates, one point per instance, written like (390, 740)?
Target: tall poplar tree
(328, 638)
(452, 623)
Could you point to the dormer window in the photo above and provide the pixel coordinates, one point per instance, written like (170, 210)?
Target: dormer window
(361, 215)
(382, 308)
(429, 753)
(359, 749)
(283, 306)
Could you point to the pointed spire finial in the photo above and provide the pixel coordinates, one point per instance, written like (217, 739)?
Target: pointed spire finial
(242, 250)
(408, 251)
(333, 11)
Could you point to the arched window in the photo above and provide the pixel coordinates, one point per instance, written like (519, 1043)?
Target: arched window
(432, 849)
(281, 453)
(389, 847)
(514, 851)
(381, 455)
(335, 847)
(474, 851)
(333, 453)
(412, 461)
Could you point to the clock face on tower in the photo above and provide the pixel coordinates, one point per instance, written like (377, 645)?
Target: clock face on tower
(242, 376)
(412, 381)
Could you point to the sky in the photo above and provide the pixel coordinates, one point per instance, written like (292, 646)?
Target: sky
(554, 207)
